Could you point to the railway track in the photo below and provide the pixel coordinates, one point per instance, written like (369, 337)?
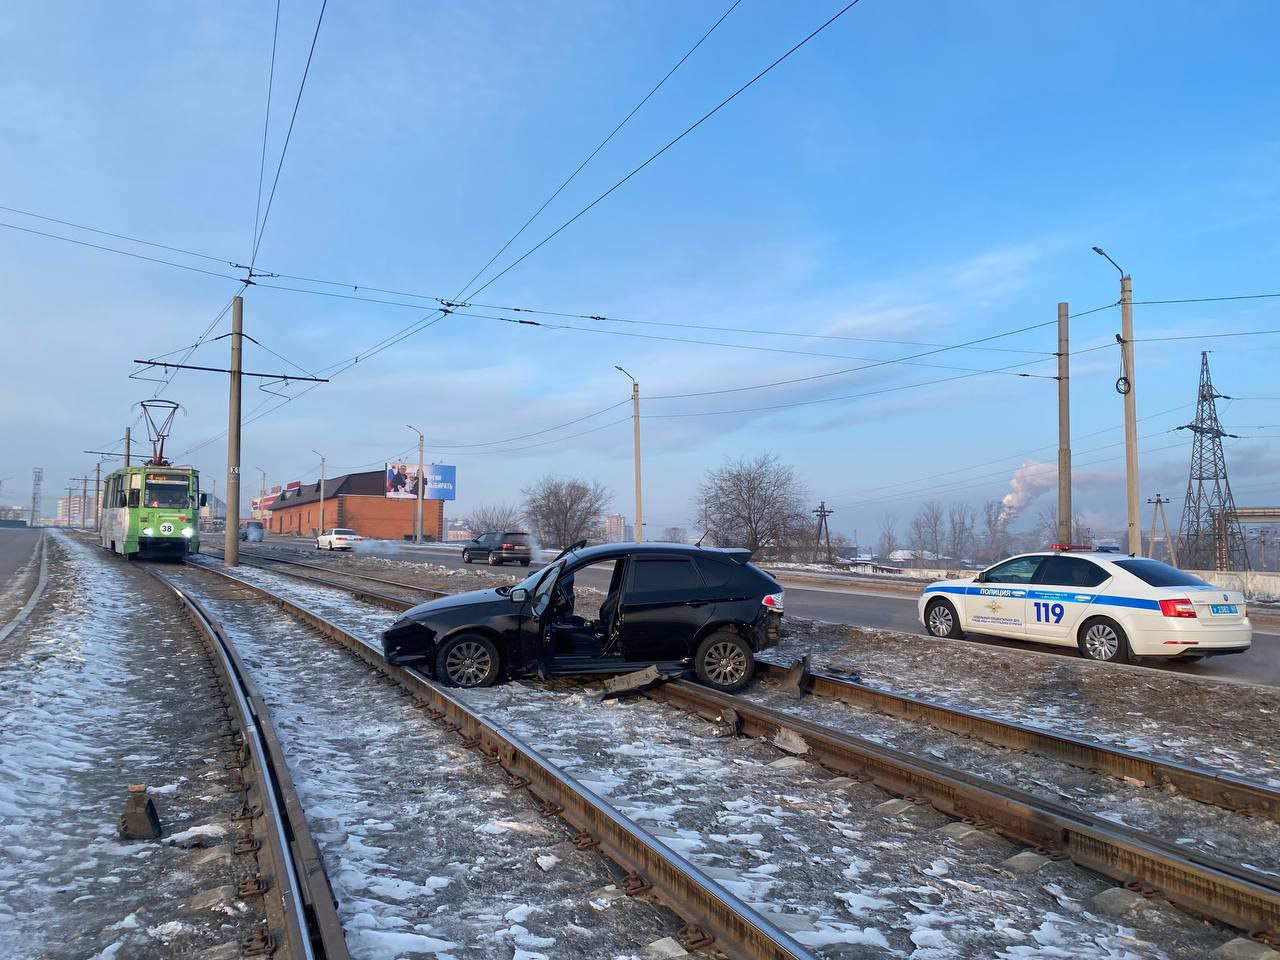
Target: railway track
(301, 913)
(713, 916)
(1201, 884)
(1212, 787)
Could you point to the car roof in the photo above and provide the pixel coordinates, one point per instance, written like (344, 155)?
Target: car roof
(602, 551)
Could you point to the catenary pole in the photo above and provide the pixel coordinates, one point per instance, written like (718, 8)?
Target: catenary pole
(97, 496)
(321, 456)
(422, 484)
(127, 446)
(231, 533)
(1130, 418)
(1064, 426)
(635, 417)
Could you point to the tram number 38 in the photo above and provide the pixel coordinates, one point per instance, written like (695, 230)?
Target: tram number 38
(1049, 612)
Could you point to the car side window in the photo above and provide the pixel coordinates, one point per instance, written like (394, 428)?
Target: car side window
(715, 573)
(660, 578)
(1071, 572)
(1017, 570)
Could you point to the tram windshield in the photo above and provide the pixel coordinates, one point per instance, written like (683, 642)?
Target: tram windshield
(166, 495)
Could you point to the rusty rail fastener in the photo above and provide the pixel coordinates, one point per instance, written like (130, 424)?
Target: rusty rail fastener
(252, 886)
(247, 844)
(518, 783)
(633, 884)
(550, 808)
(693, 937)
(260, 943)
(585, 841)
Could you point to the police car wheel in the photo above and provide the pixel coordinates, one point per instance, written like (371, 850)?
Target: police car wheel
(940, 617)
(1103, 639)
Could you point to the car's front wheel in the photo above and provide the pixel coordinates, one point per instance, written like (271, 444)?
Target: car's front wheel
(1103, 639)
(468, 660)
(940, 617)
(724, 661)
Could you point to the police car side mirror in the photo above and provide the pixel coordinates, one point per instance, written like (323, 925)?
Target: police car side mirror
(519, 595)
(980, 578)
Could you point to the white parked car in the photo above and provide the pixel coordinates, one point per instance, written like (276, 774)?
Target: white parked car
(1111, 606)
(338, 539)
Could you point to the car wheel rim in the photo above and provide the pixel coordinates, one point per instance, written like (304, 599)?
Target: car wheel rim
(468, 664)
(940, 621)
(725, 663)
(1101, 642)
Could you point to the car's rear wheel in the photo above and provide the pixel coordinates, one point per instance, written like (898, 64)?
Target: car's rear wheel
(466, 556)
(494, 559)
(524, 563)
(940, 617)
(1104, 640)
(724, 661)
(1193, 658)
(469, 660)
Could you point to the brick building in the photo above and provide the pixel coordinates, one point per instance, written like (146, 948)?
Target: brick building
(357, 501)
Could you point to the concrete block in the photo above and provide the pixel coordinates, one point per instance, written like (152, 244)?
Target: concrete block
(894, 807)
(1025, 862)
(1117, 901)
(223, 951)
(837, 783)
(663, 949)
(213, 898)
(1242, 949)
(219, 856)
(961, 832)
(788, 763)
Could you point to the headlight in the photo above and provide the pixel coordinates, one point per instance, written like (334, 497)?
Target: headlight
(148, 532)
(188, 532)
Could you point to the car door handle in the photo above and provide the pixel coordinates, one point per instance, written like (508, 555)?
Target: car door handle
(696, 603)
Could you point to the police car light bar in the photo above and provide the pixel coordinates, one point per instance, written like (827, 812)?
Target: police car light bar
(1064, 546)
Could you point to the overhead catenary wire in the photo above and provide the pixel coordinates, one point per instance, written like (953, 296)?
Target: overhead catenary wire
(669, 144)
(600, 146)
(306, 70)
(266, 124)
(123, 253)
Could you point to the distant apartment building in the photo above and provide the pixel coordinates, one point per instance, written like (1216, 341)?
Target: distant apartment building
(615, 529)
(75, 511)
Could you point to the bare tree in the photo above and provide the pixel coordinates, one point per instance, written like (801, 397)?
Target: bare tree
(675, 535)
(756, 503)
(888, 536)
(960, 523)
(926, 530)
(995, 530)
(561, 511)
(495, 516)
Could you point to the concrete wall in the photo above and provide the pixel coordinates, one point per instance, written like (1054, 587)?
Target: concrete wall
(1256, 586)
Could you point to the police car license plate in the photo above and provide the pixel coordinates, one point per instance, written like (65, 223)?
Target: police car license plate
(1222, 609)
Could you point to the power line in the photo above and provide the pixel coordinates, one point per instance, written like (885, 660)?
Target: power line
(288, 136)
(1244, 296)
(524, 436)
(671, 143)
(124, 253)
(591, 156)
(266, 124)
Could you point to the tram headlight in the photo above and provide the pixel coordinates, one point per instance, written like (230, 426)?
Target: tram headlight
(188, 532)
(148, 532)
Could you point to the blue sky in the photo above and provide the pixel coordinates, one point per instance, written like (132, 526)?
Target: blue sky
(931, 172)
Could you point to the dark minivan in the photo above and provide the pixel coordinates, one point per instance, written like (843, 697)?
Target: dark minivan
(606, 609)
(498, 547)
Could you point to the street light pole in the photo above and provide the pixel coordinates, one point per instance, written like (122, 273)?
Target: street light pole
(321, 456)
(635, 415)
(422, 484)
(1064, 426)
(1126, 387)
(231, 523)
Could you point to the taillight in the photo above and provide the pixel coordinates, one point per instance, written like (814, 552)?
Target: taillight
(508, 546)
(773, 601)
(1178, 608)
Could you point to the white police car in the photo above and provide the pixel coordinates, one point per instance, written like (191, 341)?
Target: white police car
(1109, 605)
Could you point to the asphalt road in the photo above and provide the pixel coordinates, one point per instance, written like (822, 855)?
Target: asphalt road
(837, 604)
(16, 547)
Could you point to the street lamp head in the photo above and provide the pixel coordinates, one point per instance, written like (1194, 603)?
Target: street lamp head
(415, 430)
(1102, 253)
(624, 373)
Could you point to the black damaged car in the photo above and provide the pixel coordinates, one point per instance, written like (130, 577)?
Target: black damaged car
(606, 609)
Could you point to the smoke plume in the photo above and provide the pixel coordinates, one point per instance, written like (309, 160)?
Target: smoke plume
(1028, 482)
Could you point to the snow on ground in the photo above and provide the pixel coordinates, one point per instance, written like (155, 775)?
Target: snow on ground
(428, 851)
(1197, 826)
(1226, 727)
(833, 870)
(103, 687)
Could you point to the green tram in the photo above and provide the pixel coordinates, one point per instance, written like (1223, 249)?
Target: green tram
(152, 512)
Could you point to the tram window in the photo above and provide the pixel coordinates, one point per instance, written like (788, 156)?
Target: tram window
(167, 495)
(134, 497)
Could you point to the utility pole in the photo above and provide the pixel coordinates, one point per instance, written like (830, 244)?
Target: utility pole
(231, 525)
(1159, 515)
(422, 484)
(321, 456)
(127, 446)
(1064, 427)
(97, 495)
(822, 513)
(635, 415)
(37, 481)
(1125, 386)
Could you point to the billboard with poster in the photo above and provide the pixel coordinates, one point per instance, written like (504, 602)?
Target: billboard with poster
(402, 481)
